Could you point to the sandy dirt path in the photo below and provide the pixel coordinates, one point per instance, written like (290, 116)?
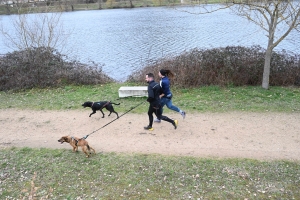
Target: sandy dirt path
(263, 136)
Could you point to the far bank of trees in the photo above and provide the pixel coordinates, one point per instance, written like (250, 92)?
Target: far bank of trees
(34, 6)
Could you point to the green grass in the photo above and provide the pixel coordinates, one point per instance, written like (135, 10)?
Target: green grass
(202, 99)
(249, 98)
(62, 174)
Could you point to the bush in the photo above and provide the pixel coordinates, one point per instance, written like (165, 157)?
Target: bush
(45, 67)
(233, 65)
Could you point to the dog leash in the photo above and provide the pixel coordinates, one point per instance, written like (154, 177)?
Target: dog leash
(113, 120)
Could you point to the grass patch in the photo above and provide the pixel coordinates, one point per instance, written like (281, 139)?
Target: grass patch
(248, 98)
(69, 175)
(202, 99)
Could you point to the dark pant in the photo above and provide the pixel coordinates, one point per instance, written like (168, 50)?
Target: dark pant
(158, 113)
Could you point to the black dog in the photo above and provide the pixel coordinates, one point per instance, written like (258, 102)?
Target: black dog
(100, 105)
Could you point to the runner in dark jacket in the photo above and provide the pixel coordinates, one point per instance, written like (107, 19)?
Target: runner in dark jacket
(154, 101)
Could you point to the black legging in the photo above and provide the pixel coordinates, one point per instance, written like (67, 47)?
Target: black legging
(158, 113)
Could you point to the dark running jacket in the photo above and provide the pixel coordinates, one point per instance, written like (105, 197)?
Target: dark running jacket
(153, 94)
(165, 86)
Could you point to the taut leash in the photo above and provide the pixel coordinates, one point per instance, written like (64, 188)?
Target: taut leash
(113, 120)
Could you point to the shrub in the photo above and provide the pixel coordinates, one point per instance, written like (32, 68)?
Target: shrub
(45, 67)
(234, 65)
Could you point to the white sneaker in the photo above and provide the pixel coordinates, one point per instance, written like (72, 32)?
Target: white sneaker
(183, 114)
(157, 120)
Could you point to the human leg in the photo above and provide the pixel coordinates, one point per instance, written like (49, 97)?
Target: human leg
(173, 122)
(165, 118)
(162, 104)
(170, 105)
(150, 115)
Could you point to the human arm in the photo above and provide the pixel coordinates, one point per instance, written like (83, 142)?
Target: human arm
(150, 94)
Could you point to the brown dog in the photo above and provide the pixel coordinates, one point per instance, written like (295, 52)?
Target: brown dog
(75, 142)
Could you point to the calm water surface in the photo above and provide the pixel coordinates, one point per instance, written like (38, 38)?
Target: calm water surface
(127, 39)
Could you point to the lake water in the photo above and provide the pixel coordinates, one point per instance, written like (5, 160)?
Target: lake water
(127, 39)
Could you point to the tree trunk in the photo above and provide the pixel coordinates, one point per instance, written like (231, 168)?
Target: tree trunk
(7, 9)
(100, 4)
(267, 67)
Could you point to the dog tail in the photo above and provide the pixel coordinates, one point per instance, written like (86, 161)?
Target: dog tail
(115, 103)
(88, 147)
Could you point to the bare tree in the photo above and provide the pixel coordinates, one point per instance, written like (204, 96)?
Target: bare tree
(277, 17)
(34, 31)
(7, 6)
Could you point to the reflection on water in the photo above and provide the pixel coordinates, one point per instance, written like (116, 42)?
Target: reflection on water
(127, 39)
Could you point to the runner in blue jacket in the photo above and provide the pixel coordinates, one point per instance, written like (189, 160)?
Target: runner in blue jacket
(166, 94)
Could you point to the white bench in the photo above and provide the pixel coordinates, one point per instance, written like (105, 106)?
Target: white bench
(134, 91)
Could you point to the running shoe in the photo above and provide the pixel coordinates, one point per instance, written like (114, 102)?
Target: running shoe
(157, 120)
(175, 123)
(149, 128)
(183, 114)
